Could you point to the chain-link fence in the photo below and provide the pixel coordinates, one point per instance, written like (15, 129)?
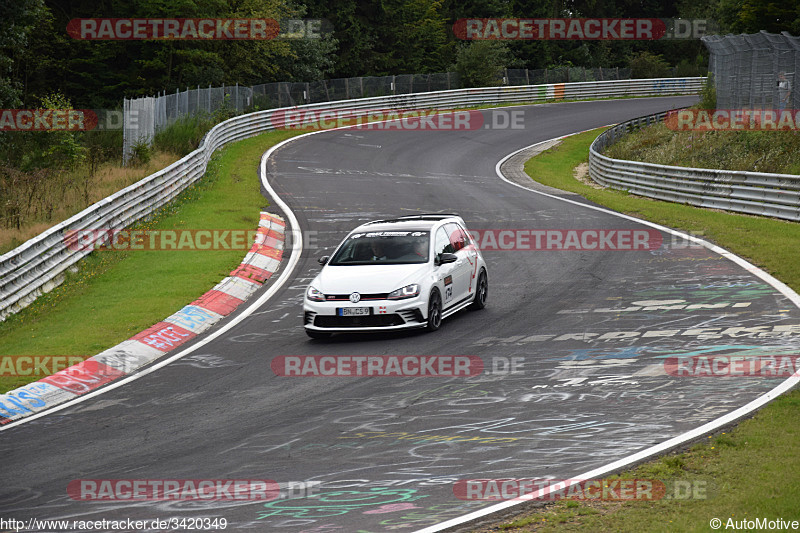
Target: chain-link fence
(755, 71)
(144, 117)
(525, 76)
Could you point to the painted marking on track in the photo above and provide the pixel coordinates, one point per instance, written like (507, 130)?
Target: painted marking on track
(294, 259)
(675, 441)
(604, 470)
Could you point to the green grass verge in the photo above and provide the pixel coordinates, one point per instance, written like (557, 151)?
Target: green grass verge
(117, 294)
(755, 151)
(769, 243)
(747, 473)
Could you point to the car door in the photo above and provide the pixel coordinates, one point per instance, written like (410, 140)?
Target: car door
(465, 266)
(444, 272)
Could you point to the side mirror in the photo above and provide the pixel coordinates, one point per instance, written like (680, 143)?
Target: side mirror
(323, 260)
(447, 258)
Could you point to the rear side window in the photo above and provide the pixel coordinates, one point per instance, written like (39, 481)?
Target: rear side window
(458, 236)
(442, 243)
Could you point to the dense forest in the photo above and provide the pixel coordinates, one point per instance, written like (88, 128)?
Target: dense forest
(370, 38)
(47, 176)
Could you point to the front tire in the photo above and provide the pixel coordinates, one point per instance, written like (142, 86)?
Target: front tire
(434, 311)
(314, 334)
(481, 291)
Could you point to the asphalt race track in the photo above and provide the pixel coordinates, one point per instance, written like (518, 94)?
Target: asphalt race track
(589, 331)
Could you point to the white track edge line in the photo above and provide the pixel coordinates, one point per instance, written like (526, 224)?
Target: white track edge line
(294, 259)
(297, 249)
(266, 296)
(675, 441)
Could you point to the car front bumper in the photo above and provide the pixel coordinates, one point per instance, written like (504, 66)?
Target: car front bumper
(384, 315)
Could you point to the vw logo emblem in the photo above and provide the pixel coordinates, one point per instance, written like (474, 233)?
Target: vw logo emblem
(355, 297)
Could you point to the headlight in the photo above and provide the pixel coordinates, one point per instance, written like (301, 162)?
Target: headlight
(409, 291)
(314, 295)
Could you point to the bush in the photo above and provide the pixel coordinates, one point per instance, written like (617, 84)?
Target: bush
(225, 111)
(140, 153)
(184, 135)
(647, 65)
(481, 63)
(107, 143)
(708, 94)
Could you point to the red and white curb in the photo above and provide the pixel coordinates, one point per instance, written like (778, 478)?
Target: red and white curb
(260, 263)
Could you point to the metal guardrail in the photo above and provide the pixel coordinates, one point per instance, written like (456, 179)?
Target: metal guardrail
(754, 193)
(39, 264)
(146, 116)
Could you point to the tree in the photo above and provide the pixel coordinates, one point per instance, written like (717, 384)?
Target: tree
(98, 73)
(356, 31)
(18, 18)
(752, 16)
(420, 31)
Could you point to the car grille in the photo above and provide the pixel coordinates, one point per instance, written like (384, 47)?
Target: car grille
(366, 321)
(346, 297)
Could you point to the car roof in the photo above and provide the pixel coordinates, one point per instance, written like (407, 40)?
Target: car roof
(423, 222)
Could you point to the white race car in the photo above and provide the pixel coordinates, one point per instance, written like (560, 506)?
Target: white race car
(408, 272)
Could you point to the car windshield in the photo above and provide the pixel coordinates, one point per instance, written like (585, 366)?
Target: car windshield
(383, 248)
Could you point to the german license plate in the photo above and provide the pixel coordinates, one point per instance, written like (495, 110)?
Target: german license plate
(354, 311)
